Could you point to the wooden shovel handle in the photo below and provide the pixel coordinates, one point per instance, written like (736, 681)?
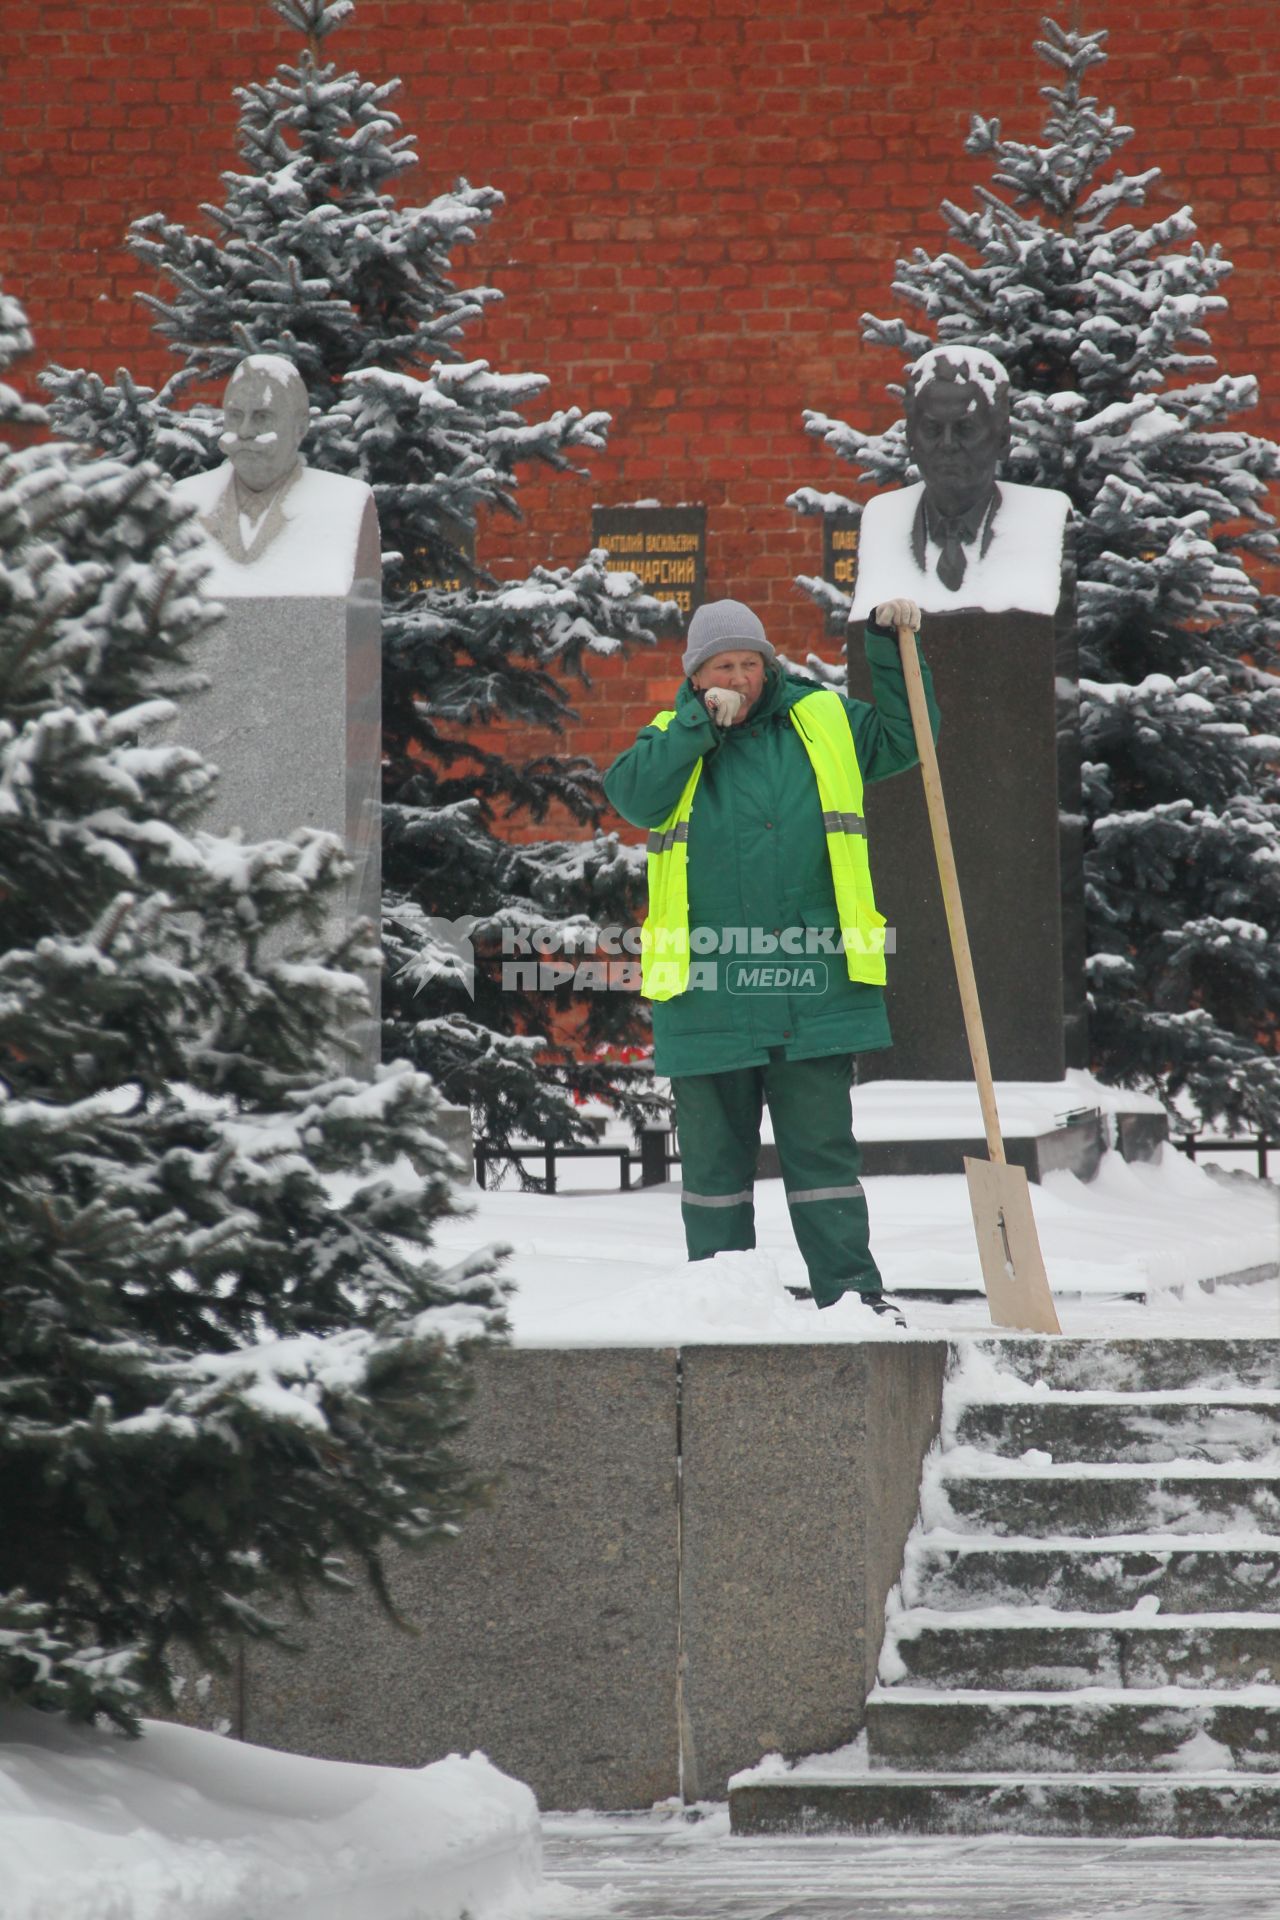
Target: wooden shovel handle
(946, 858)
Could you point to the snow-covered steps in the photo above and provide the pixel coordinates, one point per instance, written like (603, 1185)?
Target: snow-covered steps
(989, 1495)
(1060, 1652)
(1126, 1427)
(1086, 1638)
(1191, 1807)
(1168, 1729)
(1121, 1366)
(1183, 1574)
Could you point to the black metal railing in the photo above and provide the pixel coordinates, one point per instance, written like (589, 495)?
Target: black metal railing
(1194, 1144)
(654, 1158)
(656, 1153)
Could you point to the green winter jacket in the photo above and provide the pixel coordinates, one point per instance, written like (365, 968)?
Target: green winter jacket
(758, 860)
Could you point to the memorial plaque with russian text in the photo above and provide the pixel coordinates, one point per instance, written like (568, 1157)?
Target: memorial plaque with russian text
(447, 580)
(665, 547)
(839, 559)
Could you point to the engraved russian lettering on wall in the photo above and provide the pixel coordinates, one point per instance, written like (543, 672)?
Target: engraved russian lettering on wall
(463, 539)
(665, 547)
(839, 560)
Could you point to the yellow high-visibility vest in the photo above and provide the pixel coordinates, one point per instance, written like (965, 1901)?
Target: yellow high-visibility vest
(822, 723)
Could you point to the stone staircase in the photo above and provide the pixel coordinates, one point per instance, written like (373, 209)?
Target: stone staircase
(1086, 1639)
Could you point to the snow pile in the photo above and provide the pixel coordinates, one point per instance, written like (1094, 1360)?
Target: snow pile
(951, 1110)
(841, 1762)
(189, 1826)
(1154, 1228)
(735, 1299)
(1126, 1253)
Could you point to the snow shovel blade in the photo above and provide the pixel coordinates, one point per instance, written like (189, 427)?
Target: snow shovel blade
(1009, 1247)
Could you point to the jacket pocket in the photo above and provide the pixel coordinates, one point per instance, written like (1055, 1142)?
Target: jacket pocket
(822, 920)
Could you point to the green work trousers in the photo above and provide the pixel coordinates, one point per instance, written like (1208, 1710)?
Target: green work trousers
(718, 1124)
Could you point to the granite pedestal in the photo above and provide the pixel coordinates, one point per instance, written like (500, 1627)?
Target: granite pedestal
(685, 1565)
(800, 1485)
(546, 1633)
(997, 677)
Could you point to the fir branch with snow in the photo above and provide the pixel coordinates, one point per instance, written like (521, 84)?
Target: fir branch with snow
(226, 1355)
(1103, 325)
(312, 255)
(15, 344)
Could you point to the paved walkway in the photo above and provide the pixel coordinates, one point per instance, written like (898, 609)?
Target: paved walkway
(650, 1868)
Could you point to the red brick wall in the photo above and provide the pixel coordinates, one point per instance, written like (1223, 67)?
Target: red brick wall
(702, 197)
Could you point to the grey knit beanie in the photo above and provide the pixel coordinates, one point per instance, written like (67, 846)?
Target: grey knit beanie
(724, 626)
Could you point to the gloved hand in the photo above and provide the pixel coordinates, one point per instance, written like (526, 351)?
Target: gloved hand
(898, 613)
(723, 704)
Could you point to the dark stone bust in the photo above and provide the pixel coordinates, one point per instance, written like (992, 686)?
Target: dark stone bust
(957, 421)
(959, 538)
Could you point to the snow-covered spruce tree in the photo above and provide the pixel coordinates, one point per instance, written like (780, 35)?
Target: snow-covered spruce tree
(225, 1356)
(1103, 325)
(15, 342)
(311, 256)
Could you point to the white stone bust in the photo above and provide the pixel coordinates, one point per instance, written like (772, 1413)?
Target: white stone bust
(273, 525)
(960, 538)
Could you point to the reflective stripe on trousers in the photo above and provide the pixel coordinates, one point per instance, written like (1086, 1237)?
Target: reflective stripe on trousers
(718, 1119)
(744, 1198)
(853, 1192)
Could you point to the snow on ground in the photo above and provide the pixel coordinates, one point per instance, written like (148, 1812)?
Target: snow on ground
(183, 1825)
(662, 1866)
(597, 1267)
(951, 1110)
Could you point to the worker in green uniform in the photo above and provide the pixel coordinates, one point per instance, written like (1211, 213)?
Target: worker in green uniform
(763, 951)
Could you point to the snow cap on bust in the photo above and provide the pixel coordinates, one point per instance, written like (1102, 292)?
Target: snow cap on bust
(966, 366)
(725, 626)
